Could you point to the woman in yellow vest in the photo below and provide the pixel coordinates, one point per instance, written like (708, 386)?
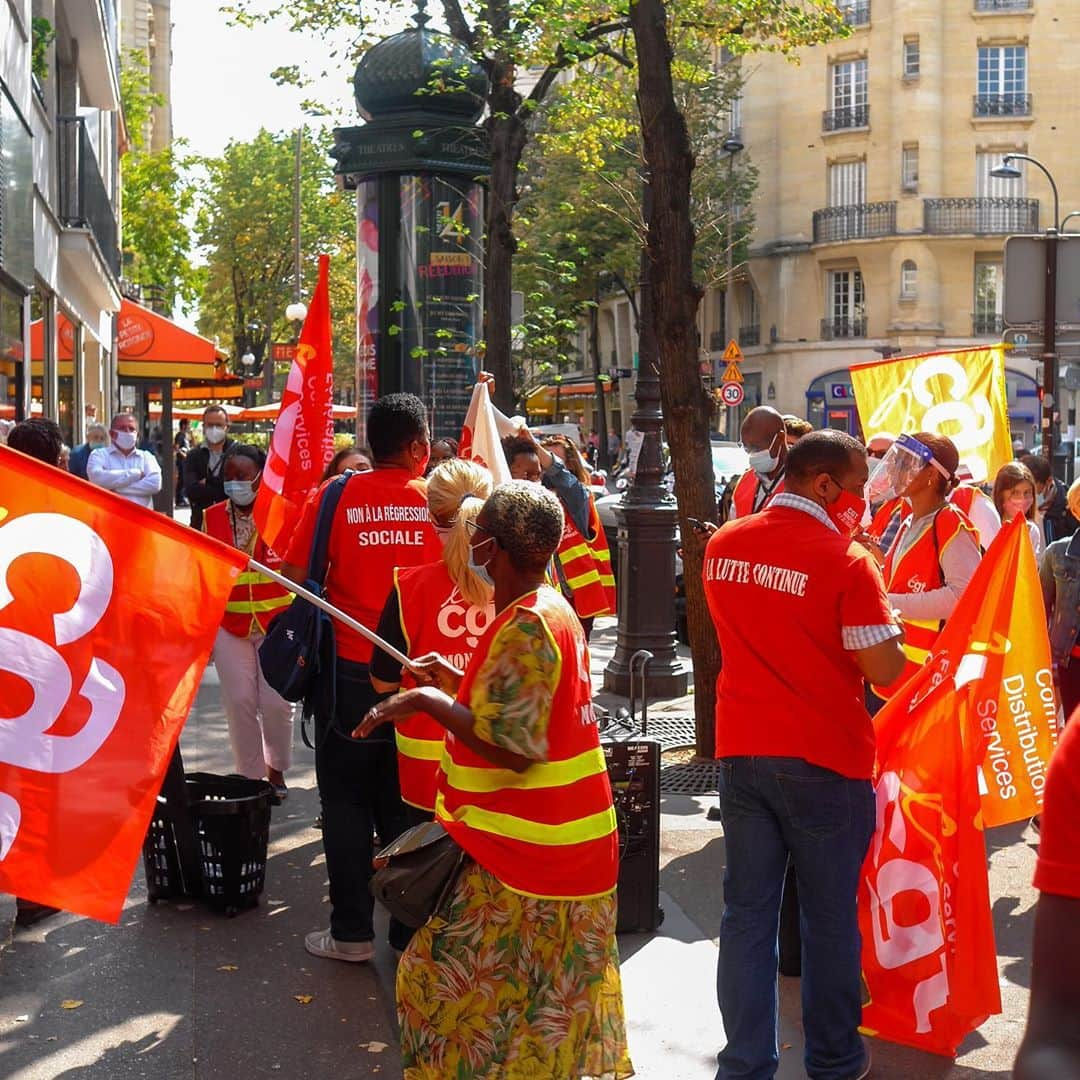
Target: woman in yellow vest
(518, 974)
(260, 720)
(441, 607)
(936, 549)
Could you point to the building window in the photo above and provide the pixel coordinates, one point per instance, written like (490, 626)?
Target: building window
(911, 58)
(1002, 81)
(991, 187)
(909, 280)
(847, 183)
(909, 168)
(848, 96)
(735, 114)
(989, 292)
(845, 313)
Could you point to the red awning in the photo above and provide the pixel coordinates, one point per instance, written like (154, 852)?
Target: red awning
(149, 346)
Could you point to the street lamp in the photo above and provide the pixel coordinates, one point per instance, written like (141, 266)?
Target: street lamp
(731, 146)
(296, 312)
(1008, 171)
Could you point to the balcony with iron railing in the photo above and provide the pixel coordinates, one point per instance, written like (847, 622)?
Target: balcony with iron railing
(1010, 104)
(856, 13)
(991, 217)
(838, 329)
(749, 335)
(84, 199)
(836, 224)
(987, 324)
(851, 116)
(1002, 5)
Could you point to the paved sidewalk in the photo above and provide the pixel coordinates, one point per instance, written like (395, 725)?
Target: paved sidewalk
(176, 991)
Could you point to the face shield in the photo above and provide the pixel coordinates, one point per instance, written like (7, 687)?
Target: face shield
(905, 458)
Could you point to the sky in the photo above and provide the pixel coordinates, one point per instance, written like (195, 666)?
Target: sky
(221, 85)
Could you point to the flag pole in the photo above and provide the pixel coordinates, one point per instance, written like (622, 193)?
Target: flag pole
(335, 613)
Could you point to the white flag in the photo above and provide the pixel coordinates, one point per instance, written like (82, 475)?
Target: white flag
(480, 440)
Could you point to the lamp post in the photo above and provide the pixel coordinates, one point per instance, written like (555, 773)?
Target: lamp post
(731, 146)
(647, 518)
(1007, 171)
(247, 361)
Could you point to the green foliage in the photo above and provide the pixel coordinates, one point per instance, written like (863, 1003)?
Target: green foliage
(157, 196)
(42, 35)
(245, 224)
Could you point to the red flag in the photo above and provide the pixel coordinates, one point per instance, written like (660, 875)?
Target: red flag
(303, 440)
(929, 958)
(108, 613)
(480, 436)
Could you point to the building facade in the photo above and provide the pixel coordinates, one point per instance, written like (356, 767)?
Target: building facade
(146, 27)
(60, 133)
(879, 228)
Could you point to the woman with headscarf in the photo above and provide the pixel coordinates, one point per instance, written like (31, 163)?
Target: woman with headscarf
(517, 974)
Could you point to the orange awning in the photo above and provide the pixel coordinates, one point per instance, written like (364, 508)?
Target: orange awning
(149, 346)
(205, 392)
(273, 411)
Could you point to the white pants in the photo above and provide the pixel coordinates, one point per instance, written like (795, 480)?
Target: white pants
(260, 719)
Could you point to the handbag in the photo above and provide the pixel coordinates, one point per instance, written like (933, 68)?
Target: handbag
(298, 653)
(415, 874)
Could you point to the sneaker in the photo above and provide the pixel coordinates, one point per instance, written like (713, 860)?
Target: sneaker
(323, 943)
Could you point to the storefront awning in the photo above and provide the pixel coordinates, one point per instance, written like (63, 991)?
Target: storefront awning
(542, 398)
(149, 346)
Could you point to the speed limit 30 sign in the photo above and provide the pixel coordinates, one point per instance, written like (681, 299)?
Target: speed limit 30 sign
(731, 393)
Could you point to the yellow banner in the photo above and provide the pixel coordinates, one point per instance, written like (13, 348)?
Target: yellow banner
(959, 394)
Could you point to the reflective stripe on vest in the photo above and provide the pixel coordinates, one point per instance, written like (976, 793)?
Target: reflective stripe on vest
(920, 565)
(549, 831)
(579, 571)
(434, 618)
(254, 599)
(601, 554)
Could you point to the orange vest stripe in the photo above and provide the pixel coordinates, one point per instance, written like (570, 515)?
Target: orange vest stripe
(424, 593)
(601, 554)
(581, 573)
(254, 599)
(921, 562)
(549, 831)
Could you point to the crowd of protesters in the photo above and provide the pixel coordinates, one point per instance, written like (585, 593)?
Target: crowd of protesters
(493, 591)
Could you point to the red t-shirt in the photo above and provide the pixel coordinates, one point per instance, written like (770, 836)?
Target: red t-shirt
(1058, 868)
(381, 522)
(780, 586)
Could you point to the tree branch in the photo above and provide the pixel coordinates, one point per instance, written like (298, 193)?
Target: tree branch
(458, 24)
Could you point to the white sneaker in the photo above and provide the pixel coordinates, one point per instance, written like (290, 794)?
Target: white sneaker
(323, 943)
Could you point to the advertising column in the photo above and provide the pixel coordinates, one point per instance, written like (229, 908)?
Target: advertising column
(367, 306)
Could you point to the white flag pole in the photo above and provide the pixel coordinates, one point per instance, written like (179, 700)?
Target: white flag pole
(335, 613)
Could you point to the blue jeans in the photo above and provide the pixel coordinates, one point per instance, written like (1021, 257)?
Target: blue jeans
(773, 807)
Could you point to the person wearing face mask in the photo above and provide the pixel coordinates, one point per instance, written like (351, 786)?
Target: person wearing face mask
(802, 618)
(381, 522)
(936, 550)
(1014, 493)
(260, 720)
(97, 438)
(204, 483)
(441, 607)
(764, 437)
(122, 467)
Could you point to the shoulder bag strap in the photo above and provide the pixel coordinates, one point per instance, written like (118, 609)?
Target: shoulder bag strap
(320, 548)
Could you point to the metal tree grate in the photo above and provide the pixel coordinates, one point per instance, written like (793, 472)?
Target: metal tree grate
(671, 732)
(695, 778)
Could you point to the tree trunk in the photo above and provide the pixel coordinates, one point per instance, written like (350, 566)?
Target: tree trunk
(669, 161)
(508, 138)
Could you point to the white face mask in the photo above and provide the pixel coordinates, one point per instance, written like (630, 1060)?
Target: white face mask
(125, 440)
(215, 434)
(481, 572)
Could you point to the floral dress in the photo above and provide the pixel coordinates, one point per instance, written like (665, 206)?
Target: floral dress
(502, 986)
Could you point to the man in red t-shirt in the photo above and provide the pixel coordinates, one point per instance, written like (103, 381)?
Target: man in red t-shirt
(381, 522)
(802, 618)
(1051, 1046)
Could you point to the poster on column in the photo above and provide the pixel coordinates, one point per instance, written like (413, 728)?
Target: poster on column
(442, 225)
(367, 297)
(960, 394)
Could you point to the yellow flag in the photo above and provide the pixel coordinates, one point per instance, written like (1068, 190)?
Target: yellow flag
(959, 394)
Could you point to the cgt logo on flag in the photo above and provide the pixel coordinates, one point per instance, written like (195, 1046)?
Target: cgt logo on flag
(108, 612)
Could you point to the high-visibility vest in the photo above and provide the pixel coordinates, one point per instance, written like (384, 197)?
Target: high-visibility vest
(885, 513)
(601, 554)
(434, 618)
(580, 571)
(549, 831)
(746, 491)
(255, 599)
(919, 570)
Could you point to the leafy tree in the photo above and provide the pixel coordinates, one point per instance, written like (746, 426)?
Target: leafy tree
(157, 197)
(245, 224)
(740, 26)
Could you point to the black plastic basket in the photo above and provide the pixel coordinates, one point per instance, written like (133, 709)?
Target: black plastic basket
(231, 819)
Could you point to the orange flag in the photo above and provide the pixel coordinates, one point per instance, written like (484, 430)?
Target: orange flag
(108, 613)
(929, 958)
(303, 440)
